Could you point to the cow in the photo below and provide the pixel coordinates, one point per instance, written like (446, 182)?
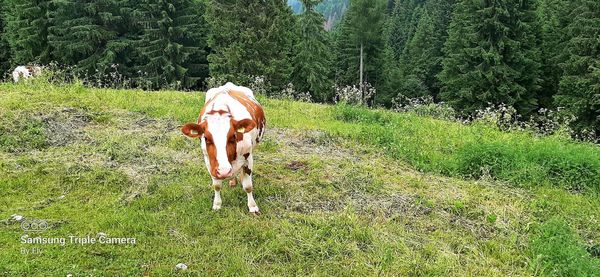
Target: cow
(26, 72)
(229, 127)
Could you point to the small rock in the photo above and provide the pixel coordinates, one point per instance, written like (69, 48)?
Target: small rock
(69, 275)
(17, 217)
(181, 266)
(61, 197)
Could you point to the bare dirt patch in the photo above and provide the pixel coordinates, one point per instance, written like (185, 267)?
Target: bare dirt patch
(65, 126)
(354, 186)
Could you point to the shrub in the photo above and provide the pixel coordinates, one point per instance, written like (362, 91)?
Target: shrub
(353, 95)
(351, 113)
(424, 106)
(493, 159)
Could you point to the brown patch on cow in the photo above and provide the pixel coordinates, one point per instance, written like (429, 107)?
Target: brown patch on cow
(241, 127)
(248, 189)
(246, 156)
(256, 111)
(211, 150)
(247, 170)
(193, 130)
(220, 112)
(30, 69)
(297, 165)
(231, 145)
(239, 136)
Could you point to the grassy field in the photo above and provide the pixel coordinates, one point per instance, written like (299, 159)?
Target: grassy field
(342, 190)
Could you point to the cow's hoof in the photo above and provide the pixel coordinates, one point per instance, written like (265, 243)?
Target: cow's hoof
(232, 183)
(254, 211)
(216, 207)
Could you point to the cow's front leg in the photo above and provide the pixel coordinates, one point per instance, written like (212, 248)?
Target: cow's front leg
(247, 184)
(217, 201)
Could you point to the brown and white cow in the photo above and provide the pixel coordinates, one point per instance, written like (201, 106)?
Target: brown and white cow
(26, 72)
(230, 125)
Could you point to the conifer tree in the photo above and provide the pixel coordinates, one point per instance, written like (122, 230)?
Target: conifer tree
(94, 35)
(420, 61)
(402, 24)
(491, 56)
(249, 39)
(579, 89)
(4, 47)
(27, 23)
(173, 43)
(312, 61)
(553, 17)
(359, 44)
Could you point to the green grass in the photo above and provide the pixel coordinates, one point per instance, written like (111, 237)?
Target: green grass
(343, 191)
(558, 252)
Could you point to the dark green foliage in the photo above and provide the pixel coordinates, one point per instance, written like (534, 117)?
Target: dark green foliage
(250, 39)
(553, 19)
(362, 27)
(557, 251)
(402, 24)
(94, 36)
(421, 58)
(312, 61)
(173, 43)
(27, 23)
(491, 56)
(579, 89)
(5, 54)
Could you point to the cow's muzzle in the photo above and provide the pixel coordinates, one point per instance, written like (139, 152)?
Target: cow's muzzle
(223, 173)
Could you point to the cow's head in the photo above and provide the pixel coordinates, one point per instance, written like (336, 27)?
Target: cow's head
(220, 134)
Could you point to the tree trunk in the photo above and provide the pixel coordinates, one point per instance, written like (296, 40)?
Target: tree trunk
(361, 85)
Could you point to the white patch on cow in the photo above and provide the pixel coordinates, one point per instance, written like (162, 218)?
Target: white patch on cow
(224, 89)
(218, 127)
(217, 200)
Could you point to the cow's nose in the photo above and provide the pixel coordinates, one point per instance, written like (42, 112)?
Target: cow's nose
(224, 172)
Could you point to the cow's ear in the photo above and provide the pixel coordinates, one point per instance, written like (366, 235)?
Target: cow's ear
(192, 130)
(244, 125)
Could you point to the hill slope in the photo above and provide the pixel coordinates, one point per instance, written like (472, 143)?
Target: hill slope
(338, 187)
(332, 10)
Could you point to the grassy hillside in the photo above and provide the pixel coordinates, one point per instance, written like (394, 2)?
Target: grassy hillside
(343, 191)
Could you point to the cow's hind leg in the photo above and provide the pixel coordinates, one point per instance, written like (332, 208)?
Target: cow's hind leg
(246, 176)
(217, 201)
